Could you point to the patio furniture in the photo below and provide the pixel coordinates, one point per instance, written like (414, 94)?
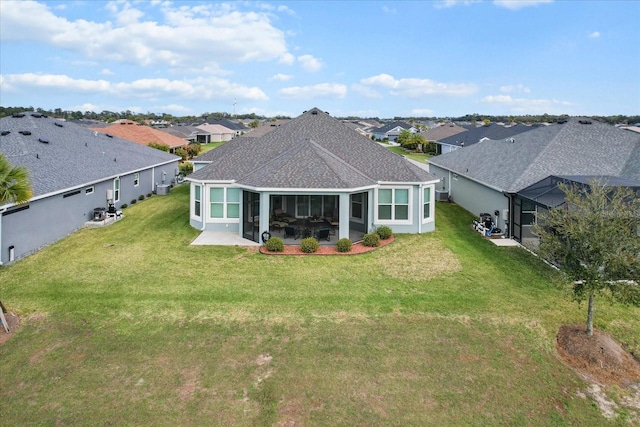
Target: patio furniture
(323, 233)
(291, 231)
(283, 216)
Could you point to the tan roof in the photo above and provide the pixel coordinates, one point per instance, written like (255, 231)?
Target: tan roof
(144, 135)
(443, 131)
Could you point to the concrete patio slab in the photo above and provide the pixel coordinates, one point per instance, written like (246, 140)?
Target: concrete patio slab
(222, 238)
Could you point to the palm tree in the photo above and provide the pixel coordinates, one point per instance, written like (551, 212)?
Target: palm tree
(14, 183)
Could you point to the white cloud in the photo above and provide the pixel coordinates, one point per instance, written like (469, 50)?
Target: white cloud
(287, 59)
(519, 4)
(202, 88)
(214, 34)
(417, 88)
(107, 72)
(451, 3)
(281, 77)
(594, 35)
(333, 90)
(310, 63)
(517, 89)
(526, 105)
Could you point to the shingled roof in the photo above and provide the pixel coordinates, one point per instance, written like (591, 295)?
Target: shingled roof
(312, 151)
(577, 147)
(477, 133)
(142, 134)
(61, 156)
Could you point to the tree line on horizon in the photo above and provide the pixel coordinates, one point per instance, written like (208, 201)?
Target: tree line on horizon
(110, 116)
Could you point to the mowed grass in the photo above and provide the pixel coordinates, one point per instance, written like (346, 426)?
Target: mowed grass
(130, 325)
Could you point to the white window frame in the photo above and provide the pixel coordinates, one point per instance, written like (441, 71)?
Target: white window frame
(136, 179)
(430, 202)
(225, 205)
(197, 201)
(116, 190)
(410, 196)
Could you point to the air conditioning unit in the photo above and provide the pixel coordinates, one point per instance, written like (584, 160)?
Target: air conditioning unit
(442, 196)
(163, 190)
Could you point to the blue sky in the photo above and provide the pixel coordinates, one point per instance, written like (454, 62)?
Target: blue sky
(362, 58)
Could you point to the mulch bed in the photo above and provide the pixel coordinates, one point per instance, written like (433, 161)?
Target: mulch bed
(357, 248)
(599, 358)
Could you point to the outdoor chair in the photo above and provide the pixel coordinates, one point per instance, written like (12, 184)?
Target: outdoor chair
(323, 233)
(291, 231)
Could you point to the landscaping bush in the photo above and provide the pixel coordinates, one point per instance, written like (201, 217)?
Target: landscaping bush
(124, 205)
(133, 202)
(384, 232)
(309, 245)
(148, 195)
(344, 245)
(274, 244)
(371, 239)
(141, 198)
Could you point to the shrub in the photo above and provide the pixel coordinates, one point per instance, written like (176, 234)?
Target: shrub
(141, 198)
(344, 245)
(384, 232)
(186, 168)
(133, 202)
(371, 239)
(274, 244)
(124, 205)
(309, 245)
(148, 195)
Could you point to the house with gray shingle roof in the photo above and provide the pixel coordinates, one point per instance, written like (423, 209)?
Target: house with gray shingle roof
(499, 176)
(73, 170)
(312, 167)
(391, 131)
(474, 134)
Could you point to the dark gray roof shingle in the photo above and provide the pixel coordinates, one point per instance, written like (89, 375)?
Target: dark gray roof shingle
(311, 151)
(571, 148)
(73, 156)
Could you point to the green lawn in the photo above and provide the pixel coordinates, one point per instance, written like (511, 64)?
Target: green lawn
(210, 146)
(129, 325)
(419, 157)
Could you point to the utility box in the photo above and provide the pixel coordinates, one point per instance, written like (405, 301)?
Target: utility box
(442, 196)
(163, 190)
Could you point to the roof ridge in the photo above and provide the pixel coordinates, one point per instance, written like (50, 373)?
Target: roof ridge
(339, 160)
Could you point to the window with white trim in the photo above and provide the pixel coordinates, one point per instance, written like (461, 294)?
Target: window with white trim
(393, 204)
(136, 179)
(224, 203)
(116, 190)
(426, 203)
(197, 200)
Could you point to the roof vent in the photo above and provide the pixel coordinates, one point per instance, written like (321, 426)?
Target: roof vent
(5, 132)
(109, 135)
(25, 132)
(562, 121)
(584, 122)
(44, 141)
(314, 112)
(18, 115)
(36, 115)
(60, 125)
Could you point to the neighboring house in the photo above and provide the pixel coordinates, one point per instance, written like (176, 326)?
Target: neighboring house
(141, 134)
(440, 132)
(237, 128)
(391, 131)
(72, 169)
(499, 177)
(191, 134)
(218, 133)
(475, 134)
(312, 166)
